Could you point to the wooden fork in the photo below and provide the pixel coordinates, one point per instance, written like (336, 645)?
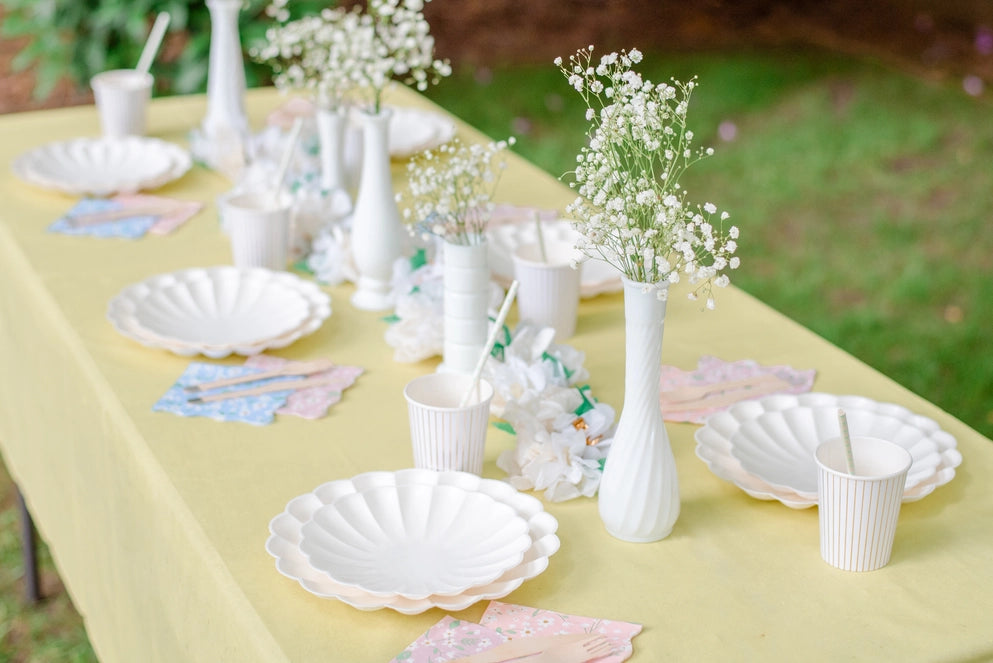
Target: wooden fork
(576, 652)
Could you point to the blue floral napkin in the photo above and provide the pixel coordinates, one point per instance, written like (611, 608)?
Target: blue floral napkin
(258, 410)
(171, 214)
(130, 228)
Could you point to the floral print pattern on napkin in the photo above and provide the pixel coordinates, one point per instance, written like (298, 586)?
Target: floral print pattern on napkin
(132, 227)
(314, 402)
(310, 403)
(448, 640)
(519, 621)
(257, 410)
(711, 370)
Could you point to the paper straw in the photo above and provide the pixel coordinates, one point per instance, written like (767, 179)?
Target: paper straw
(846, 436)
(153, 42)
(284, 164)
(501, 316)
(541, 237)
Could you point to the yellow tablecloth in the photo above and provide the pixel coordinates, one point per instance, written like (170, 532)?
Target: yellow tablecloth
(157, 522)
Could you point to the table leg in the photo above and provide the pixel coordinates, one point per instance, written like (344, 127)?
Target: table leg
(29, 550)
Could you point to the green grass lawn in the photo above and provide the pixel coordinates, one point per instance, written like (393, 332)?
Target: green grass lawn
(862, 196)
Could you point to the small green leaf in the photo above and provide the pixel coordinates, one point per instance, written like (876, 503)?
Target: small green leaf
(505, 427)
(419, 259)
(587, 403)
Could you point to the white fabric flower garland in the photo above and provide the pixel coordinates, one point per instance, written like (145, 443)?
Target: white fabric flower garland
(562, 433)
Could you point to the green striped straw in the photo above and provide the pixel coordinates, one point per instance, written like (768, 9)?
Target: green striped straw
(847, 438)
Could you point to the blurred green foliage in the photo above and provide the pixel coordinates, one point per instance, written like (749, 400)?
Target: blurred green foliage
(76, 39)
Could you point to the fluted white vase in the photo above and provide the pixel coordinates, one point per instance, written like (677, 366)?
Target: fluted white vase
(466, 286)
(639, 492)
(377, 230)
(331, 124)
(226, 119)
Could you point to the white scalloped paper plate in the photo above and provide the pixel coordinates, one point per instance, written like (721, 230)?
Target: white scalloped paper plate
(286, 534)
(597, 276)
(103, 166)
(765, 446)
(218, 311)
(415, 540)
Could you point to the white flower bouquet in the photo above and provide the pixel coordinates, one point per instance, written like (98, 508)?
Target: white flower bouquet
(339, 51)
(631, 210)
(451, 189)
(314, 53)
(396, 44)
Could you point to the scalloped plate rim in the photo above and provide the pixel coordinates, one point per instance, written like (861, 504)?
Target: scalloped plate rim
(951, 458)
(546, 543)
(179, 161)
(120, 308)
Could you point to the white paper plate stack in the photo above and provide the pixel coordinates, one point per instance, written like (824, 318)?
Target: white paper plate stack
(219, 311)
(103, 166)
(412, 540)
(766, 446)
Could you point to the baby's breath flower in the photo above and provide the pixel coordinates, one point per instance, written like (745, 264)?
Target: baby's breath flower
(337, 51)
(631, 210)
(453, 199)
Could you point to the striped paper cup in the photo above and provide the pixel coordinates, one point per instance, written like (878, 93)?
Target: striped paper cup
(444, 435)
(858, 512)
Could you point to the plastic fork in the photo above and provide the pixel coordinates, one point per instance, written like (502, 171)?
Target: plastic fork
(595, 646)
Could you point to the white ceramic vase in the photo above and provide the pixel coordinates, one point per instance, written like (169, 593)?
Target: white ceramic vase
(226, 119)
(377, 231)
(639, 491)
(466, 279)
(331, 124)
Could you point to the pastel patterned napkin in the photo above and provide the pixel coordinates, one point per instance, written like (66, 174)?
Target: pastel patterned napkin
(259, 410)
(132, 227)
(448, 640)
(314, 402)
(711, 370)
(452, 638)
(519, 621)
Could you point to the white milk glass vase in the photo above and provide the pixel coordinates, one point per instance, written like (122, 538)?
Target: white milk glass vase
(226, 123)
(466, 286)
(331, 123)
(639, 491)
(377, 231)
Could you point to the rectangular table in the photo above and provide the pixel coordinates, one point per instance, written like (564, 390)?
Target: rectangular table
(157, 523)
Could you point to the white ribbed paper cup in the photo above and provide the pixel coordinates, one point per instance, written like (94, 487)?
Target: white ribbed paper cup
(259, 228)
(858, 512)
(121, 97)
(445, 436)
(548, 292)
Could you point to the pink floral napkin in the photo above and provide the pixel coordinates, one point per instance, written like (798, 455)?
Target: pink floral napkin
(711, 370)
(452, 638)
(519, 621)
(314, 402)
(448, 640)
